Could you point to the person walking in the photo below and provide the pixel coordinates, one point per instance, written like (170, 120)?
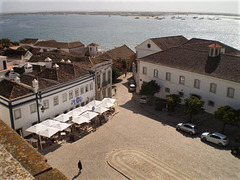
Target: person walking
(79, 166)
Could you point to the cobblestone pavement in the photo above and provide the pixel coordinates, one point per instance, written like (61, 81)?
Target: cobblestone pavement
(137, 127)
(135, 164)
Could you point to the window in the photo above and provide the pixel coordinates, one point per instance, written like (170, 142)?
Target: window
(33, 108)
(181, 94)
(17, 113)
(55, 100)
(98, 81)
(211, 103)
(64, 97)
(197, 83)
(104, 77)
(145, 70)
(182, 80)
(167, 90)
(82, 90)
(76, 92)
(46, 104)
(86, 88)
(149, 45)
(168, 76)
(155, 73)
(230, 92)
(70, 95)
(213, 87)
(90, 48)
(91, 86)
(109, 76)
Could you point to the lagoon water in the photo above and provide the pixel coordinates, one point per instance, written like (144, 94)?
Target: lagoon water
(113, 31)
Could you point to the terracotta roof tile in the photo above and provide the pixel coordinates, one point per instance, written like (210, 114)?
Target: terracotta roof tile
(26, 155)
(169, 42)
(12, 90)
(55, 44)
(223, 66)
(28, 41)
(123, 52)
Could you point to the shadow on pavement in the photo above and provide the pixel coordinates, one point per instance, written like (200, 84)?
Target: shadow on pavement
(205, 122)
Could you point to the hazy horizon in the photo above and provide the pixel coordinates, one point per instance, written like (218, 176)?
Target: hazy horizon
(205, 6)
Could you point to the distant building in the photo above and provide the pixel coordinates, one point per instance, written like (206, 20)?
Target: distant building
(123, 52)
(28, 42)
(50, 45)
(154, 45)
(203, 68)
(3, 63)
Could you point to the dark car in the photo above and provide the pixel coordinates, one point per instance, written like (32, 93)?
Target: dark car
(132, 85)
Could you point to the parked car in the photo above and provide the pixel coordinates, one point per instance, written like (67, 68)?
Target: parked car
(187, 127)
(216, 138)
(132, 86)
(144, 99)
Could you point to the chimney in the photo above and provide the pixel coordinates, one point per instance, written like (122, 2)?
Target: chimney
(48, 63)
(28, 68)
(17, 79)
(215, 50)
(12, 74)
(35, 85)
(56, 67)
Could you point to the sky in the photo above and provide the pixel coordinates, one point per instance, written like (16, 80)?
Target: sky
(212, 6)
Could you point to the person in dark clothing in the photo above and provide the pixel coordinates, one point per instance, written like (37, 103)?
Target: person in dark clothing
(79, 166)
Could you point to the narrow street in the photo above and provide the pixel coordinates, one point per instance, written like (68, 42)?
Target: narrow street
(137, 128)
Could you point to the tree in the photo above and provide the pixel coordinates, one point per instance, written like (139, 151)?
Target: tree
(193, 106)
(172, 101)
(227, 115)
(115, 72)
(119, 67)
(149, 88)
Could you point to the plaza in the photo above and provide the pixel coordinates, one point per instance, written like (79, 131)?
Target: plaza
(136, 127)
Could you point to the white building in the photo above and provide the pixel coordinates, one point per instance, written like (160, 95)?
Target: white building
(43, 92)
(154, 45)
(3, 63)
(207, 69)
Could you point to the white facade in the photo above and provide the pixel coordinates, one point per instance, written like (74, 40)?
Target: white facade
(146, 48)
(212, 100)
(103, 80)
(23, 112)
(3, 63)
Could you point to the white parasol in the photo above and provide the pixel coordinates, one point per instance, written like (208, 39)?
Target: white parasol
(50, 131)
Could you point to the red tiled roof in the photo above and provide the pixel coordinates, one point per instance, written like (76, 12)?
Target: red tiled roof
(55, 44)
(122, 52)
(169, 42)
(12, 90)
(223, 66)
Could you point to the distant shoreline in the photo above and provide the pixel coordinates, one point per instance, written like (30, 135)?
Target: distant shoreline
(120, 13)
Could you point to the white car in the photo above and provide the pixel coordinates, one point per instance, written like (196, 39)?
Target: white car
(144, 99)
(187, 127)
(216, 138)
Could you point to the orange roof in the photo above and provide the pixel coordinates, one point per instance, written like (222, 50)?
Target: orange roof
(215, 45)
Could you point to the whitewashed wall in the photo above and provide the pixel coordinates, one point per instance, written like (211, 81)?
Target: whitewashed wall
(220, 98)
(143, 50)
(27, 118)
